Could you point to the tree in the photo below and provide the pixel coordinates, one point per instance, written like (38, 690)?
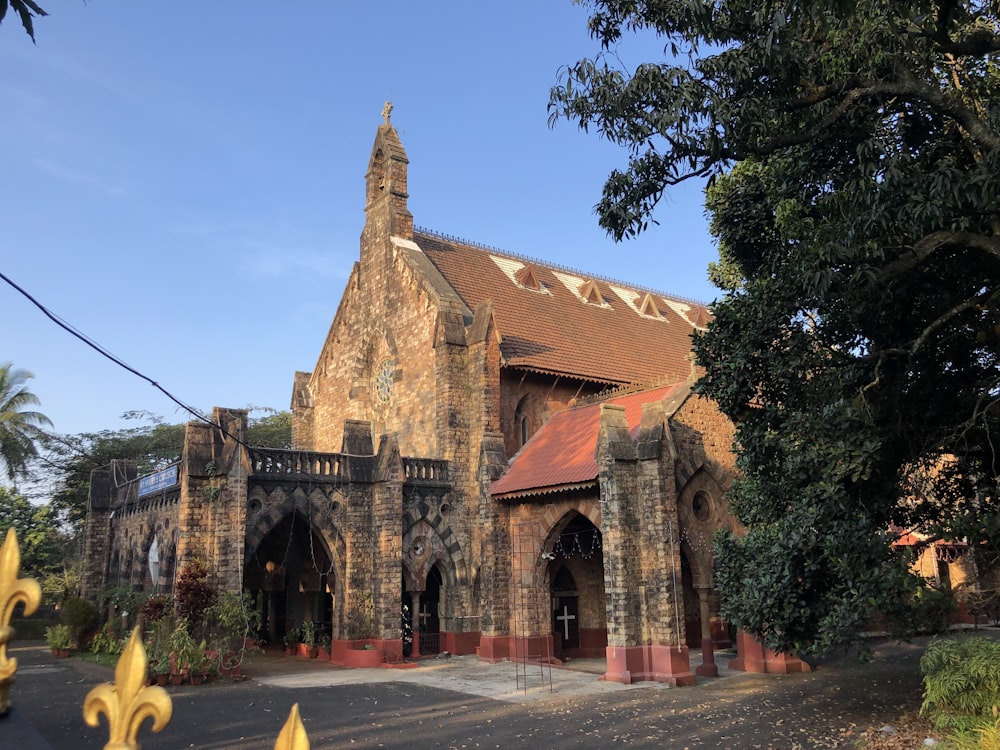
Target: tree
(47, 552)
(26, 9)
(72, 458)
(273, 430)
(19, 428)
(851, 150)
(151, 446)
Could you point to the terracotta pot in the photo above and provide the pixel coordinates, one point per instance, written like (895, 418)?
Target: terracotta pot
(197, 679)
(61, 653)
(176, 678)
(162, 679)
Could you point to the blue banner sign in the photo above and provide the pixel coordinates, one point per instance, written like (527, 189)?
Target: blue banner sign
(159, 481)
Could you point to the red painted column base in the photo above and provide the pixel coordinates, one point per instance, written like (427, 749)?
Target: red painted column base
(494, 648)
(753, 657)
(708, 667)
(459, 644)
(628, 664)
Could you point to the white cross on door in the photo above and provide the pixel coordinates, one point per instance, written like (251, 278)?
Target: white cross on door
(564, 618)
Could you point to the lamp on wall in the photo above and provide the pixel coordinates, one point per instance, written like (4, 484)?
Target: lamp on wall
(269, 566)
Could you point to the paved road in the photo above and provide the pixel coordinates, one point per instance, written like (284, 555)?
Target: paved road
(462, 703)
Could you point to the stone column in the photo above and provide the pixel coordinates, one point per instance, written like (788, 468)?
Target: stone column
(708, 667)
(388, 553)
(641, 563)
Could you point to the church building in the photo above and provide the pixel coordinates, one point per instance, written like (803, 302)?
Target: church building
(492, 455)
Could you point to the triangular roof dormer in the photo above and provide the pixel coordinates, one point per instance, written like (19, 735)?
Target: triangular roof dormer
(700, 318)
(590, 293)
(527, 278)
(648, 307)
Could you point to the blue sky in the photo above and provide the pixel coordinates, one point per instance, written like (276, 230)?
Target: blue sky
(184, 183)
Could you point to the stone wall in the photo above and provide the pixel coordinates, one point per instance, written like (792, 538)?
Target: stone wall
(120, 530)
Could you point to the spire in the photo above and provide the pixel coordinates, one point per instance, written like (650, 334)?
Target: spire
(386, 179)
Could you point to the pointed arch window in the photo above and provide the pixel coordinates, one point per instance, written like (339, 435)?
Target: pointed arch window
(522, 421)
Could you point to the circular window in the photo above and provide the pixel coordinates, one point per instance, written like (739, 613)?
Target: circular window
(701, 505)
(383, 381)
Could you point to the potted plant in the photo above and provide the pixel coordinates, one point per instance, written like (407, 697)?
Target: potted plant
(292, 641)
(308, 635)
(158, 648)
(362, 650)
(183, 652)
(159, 666)
(60, 639)
(323, 646)
(201, 662)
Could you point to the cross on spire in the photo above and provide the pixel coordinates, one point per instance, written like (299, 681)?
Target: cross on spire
(386, 111)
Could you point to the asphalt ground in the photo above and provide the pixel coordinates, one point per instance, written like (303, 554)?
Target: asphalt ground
(461, 702)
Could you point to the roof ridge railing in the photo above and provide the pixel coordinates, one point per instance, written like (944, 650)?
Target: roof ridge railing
(558, 267)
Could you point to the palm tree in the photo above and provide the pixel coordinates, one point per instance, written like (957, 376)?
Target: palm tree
(19, 429)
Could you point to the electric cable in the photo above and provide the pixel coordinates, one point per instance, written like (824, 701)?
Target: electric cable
(105, 353)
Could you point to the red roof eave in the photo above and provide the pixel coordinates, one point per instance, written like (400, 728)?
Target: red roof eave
(536, 491)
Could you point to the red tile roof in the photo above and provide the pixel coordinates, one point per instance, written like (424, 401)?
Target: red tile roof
(561, 455)
(554, 330)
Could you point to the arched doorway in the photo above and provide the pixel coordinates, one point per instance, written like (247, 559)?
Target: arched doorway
(291, 575)
(427, 614)
(566, 611)
(576, 589)
(692, 607)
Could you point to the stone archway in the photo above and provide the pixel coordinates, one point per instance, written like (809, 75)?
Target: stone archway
(432, 568)
(293, 570)
(702, 511)
(574, 554)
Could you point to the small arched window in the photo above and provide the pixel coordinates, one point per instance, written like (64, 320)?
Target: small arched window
(522, 422)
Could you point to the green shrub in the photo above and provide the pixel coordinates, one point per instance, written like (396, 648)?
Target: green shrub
(934, 609)
(108, 640)
(79, 615)
(961, 683)
(230, 620)
(123, 599)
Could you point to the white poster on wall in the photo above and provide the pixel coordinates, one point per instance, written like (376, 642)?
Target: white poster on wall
(154, 561)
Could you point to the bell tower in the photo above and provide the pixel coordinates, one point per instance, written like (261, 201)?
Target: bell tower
(386, 192)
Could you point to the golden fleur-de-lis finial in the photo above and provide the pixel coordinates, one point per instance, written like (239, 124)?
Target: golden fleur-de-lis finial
(293, 735)
(128, 701)
(13, 591)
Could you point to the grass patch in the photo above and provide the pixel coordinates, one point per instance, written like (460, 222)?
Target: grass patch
(107, 660)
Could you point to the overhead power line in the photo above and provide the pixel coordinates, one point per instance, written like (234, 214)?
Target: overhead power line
(69, 328)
